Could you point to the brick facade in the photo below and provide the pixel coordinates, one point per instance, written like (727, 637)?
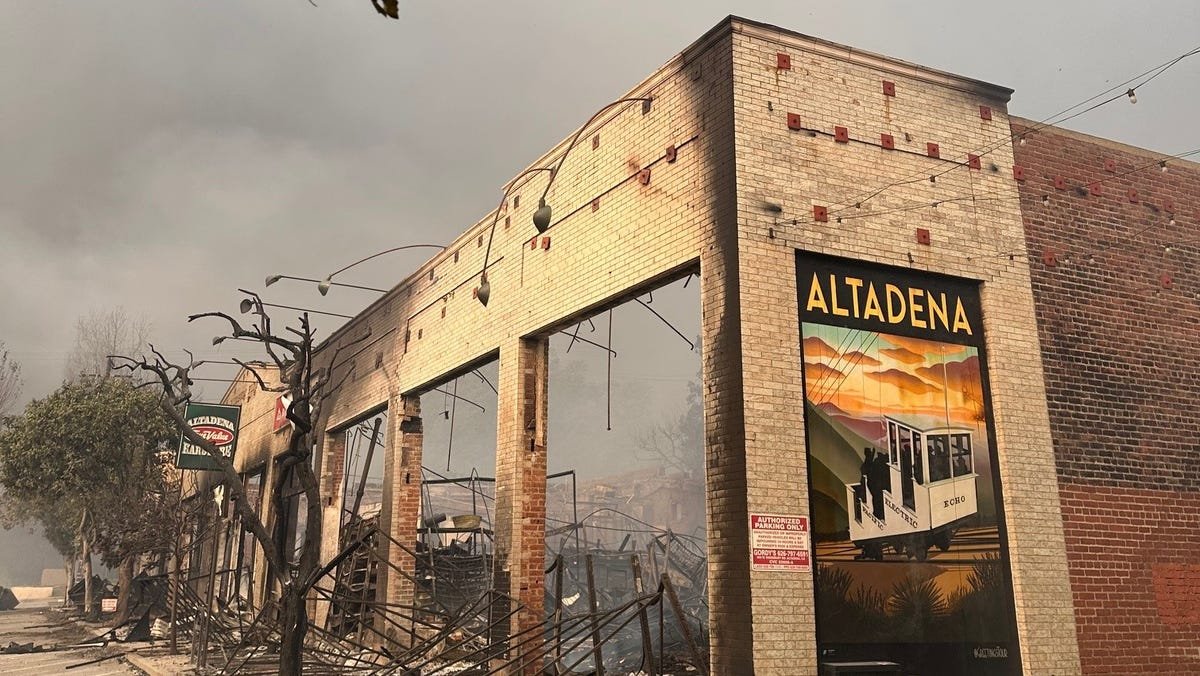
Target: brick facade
(1116, 286)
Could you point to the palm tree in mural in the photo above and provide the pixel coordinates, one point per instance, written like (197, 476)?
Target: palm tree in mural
(915, 606)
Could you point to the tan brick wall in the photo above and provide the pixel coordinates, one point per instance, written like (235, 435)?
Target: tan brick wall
(638, 233)
(612, 237)
(831, 86)
(258, 443)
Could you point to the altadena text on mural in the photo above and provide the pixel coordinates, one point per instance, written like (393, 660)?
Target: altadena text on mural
(846, 296)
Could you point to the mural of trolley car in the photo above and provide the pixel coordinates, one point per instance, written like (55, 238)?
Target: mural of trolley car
(916, 494)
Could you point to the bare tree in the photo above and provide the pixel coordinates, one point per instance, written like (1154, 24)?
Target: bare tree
(102, 333)
(10, 380)
(307, 386)
(677, 444)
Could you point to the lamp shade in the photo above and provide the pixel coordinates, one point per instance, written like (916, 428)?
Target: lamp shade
(541, 217)
(484, 292)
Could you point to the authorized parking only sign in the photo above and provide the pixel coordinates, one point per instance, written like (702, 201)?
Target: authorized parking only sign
(779, 542)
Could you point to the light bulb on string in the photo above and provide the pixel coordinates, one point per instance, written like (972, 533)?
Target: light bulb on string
(1021, 140)
(1162, 166)
(1045, 200)
(1132, 96)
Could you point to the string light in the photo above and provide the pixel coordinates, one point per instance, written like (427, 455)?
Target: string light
(1132, 96)
(1080, 190)
(1045, 200)
(1163, 166)
(1021, 140)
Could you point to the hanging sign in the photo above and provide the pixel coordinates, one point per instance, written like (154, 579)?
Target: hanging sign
(282, 402)
(217, 423)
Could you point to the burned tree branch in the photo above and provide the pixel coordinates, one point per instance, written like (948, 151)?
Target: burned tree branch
(258, 378)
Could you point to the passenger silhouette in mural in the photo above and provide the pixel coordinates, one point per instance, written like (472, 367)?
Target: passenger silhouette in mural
(880, 480)
(864, 474)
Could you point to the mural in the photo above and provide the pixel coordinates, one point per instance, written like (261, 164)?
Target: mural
(908, 533)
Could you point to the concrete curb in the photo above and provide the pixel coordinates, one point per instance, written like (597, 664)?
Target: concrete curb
(165, 665)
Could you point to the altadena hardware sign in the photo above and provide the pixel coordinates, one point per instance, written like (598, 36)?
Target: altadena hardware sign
(218, 424)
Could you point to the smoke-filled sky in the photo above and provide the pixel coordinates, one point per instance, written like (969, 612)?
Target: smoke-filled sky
(157, 155)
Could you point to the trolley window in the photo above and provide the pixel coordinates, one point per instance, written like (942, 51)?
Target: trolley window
(961, 452)
(939, 457)
(893, 443)
(918, 458)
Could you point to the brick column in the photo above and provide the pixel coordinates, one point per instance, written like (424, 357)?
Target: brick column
(520, 521)
(401, 505)
(333, 463)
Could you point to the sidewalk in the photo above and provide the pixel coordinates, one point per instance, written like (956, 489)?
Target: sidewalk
(54, 634)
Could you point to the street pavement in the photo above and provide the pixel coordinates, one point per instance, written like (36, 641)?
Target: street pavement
(50, 630)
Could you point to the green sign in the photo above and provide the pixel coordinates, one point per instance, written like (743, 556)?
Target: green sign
(218, 424)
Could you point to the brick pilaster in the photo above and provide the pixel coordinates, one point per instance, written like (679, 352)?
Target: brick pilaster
(401, 504)
(520, 525)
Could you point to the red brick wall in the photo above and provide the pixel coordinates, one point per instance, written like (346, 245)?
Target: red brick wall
(1116, 287)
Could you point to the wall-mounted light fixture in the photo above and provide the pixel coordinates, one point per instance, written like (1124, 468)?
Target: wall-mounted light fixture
(248, 305)
(541, 217)
(324, 285)
(484, 292)
(271, 279)
(543, 214)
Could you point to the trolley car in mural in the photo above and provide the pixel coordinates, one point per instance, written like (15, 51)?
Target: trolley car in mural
(916, 494)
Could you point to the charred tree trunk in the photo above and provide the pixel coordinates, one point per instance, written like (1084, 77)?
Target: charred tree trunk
(293, 607)
(293, 625)
(69, 569)
(124, 582)
(88, 605)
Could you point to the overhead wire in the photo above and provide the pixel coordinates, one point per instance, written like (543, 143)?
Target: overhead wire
(1050, 121)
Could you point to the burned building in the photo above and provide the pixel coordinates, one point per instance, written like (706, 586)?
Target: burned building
(946, 372)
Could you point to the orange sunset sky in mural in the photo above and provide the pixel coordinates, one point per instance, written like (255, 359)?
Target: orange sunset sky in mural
(866, 374)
